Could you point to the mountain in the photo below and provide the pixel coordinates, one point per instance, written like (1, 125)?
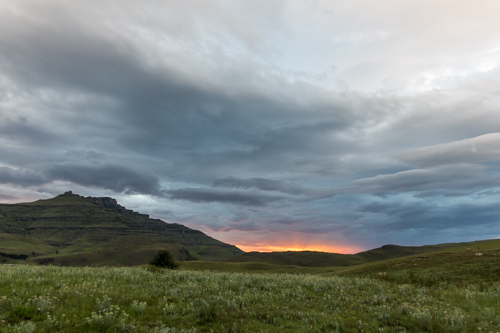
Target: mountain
(74, 230)
(323, 259)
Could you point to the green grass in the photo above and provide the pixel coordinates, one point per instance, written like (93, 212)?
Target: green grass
(83, 299)
(451, 265)
(249, 267)
(448, 290)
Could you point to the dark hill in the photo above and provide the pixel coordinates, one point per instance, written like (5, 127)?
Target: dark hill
(323, 259)
(73, 230)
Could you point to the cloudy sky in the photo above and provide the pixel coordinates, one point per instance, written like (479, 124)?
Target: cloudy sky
(301, 124)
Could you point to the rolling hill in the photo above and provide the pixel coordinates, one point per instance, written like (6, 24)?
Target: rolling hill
(73, 230)
(443, 264)
(477, 261)
(323, 259)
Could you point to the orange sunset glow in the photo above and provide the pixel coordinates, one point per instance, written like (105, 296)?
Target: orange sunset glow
(296, 247)
(281, 241)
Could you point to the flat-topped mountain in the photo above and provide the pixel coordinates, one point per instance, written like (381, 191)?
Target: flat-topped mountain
(74, 230)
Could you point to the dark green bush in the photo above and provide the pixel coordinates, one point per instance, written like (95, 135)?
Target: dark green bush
(164, 259)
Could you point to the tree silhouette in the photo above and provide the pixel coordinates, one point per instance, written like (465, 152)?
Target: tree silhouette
(164, 259)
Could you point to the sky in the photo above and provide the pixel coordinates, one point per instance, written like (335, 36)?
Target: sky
(335, 126)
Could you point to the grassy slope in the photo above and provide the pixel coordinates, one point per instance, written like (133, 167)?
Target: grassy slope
(88, 233)
(463, 297)
(447, 263)
(452, 264)
(249, 267)
(82, 299)
(303, 258)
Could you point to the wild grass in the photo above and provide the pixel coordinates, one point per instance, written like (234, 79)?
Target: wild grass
(71, 299)
(456, 266)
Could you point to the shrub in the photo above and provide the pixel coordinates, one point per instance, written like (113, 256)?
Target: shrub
(164, 259)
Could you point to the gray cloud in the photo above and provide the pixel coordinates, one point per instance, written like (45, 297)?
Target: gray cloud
(26, 133)
(7, 197)
(88, 155)
(263, 184)
(112, 177)
(439, 181)
(116, 178)
(212, 195)
(277, 124)
(429, 216)
(483, 148)
(21, 177)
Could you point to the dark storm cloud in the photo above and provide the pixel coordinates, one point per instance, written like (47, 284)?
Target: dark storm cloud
(112, 177)
(163, 108)
(21, 177)
(26, 133)
(248, 192)
(116, 178)
(261, 184)
(88, 155)
(225, 118)
(41, 54)
(214, 195)
(401, 215)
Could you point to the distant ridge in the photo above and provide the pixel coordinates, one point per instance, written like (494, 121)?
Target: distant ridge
(74, 230)
(324, 259)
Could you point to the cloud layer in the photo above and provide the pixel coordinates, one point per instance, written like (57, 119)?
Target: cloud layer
(291, 124)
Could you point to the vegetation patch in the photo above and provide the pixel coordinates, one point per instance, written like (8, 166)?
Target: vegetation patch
(72, 299)
(14, 256)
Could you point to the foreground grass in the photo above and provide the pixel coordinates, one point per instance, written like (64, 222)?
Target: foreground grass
(457, 266)
(70, 299)
(249, 267)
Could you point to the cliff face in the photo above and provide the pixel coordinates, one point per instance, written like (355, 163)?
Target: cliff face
(110, 203)
(103, 201)
(98, 231)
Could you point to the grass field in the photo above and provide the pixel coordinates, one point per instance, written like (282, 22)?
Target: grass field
(448, 290)
(71, 299)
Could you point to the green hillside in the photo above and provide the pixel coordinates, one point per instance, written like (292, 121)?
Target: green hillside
(73, 230)
(453, 264)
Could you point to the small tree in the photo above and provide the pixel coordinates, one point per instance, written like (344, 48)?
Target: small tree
(164, 259)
